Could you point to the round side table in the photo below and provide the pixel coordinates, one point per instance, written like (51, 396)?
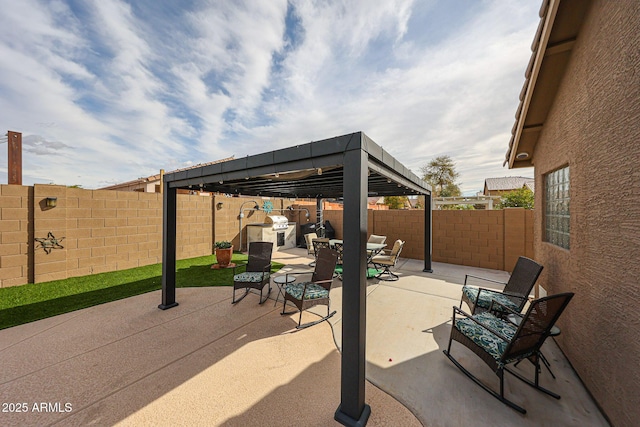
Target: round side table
(554, 332)
(282, 281)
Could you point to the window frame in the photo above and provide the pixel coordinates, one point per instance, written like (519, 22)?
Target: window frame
(557, 211)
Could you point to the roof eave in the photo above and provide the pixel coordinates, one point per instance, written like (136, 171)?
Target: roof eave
(548, 12)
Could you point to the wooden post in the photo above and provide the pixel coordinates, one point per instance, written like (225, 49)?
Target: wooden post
(14, 158)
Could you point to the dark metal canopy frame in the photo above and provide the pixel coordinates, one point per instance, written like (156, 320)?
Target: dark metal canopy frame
(350, 166)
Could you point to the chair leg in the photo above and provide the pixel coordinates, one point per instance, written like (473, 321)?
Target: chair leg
(234, 300)
(266, 297)
(500, 396)
(391, 276)
(315, 322)
(533, 384)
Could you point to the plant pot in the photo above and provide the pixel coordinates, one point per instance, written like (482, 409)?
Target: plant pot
(224, 256)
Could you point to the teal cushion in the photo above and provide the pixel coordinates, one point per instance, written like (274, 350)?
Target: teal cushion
(250, 277)
(487, 296)
(491, 343)
(313, 291)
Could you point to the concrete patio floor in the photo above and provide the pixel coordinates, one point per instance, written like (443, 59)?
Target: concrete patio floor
(207, 362)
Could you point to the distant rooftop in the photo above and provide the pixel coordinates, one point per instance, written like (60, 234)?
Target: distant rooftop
(508, 183)
(156, 177)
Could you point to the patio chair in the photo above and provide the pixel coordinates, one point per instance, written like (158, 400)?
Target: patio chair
(308, 239)
(388, 260)
(515, 293)
(306, 294)
(499, 342)
(339, 248)
(318, 243)
(257, 272)
(374, 238)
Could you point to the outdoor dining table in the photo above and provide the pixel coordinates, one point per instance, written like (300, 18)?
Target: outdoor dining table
(373, 249)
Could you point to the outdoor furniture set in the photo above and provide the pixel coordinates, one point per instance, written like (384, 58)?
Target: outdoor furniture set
(328, 264)
(499, 332)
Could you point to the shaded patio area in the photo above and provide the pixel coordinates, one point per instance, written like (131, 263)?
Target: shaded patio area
(207, 362)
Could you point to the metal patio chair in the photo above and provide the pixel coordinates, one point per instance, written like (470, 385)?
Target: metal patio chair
(257, 273)
(319, 243)
(515, 293)
(499, 342)
(374, 238)
(339, 248)
(306, 294)
(388, 260)
(308, 239)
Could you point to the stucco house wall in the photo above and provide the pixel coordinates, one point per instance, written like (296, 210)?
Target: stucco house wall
(594, 127)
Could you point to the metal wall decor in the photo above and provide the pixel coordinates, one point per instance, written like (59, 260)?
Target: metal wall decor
(50, 242)
(267, 206)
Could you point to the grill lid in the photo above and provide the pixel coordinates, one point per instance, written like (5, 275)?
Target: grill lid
(277, 222)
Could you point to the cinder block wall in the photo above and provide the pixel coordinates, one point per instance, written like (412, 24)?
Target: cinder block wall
(16, 235)
(482, 238)
(98, 231)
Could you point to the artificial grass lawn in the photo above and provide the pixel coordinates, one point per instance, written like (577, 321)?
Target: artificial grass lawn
(27, 303)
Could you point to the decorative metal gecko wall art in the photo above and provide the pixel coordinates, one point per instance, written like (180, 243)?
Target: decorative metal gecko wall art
(50, 242)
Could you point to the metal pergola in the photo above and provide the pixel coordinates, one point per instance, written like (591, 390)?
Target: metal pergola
(350, 166)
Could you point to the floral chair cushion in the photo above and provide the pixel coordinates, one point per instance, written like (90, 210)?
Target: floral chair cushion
(313, 291)
(251, 277)
(487, 296)
(491, 343)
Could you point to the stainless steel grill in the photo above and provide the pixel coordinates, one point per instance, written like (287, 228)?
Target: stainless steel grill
(277, 222)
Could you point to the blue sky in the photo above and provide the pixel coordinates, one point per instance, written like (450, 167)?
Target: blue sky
(109, 91)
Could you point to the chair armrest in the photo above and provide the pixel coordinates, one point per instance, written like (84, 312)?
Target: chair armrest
(383, 251)
(470, 317)
(504, 308)
(238, 266)
(482, 278)
(299, 272)
(493, 291)
(324, 282)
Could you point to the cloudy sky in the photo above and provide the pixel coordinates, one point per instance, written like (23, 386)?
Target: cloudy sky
(112, 90)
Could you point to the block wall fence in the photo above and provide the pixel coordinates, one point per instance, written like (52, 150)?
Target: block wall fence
(477, 238)
(104, 230)
(98, 231)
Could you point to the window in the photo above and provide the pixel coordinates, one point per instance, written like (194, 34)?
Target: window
(557, 207)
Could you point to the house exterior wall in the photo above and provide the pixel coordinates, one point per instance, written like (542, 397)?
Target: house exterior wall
(99, 231)
(594, 127)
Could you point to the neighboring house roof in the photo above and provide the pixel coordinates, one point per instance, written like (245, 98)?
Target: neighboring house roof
(507, 183)
(551, 49)
(375, 200)
(531, 185)
(156, 177)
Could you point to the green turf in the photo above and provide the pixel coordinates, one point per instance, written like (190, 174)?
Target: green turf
(26, 303)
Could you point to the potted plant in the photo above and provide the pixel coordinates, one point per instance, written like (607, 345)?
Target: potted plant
(224, 250)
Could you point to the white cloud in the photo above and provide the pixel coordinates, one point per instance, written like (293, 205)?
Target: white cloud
(124, 91)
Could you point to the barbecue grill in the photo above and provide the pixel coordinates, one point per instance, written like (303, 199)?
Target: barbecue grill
(276, 229)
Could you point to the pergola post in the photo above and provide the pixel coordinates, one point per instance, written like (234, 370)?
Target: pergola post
(427, 233)
(319, 218)
(169, 209)
(353, 411)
